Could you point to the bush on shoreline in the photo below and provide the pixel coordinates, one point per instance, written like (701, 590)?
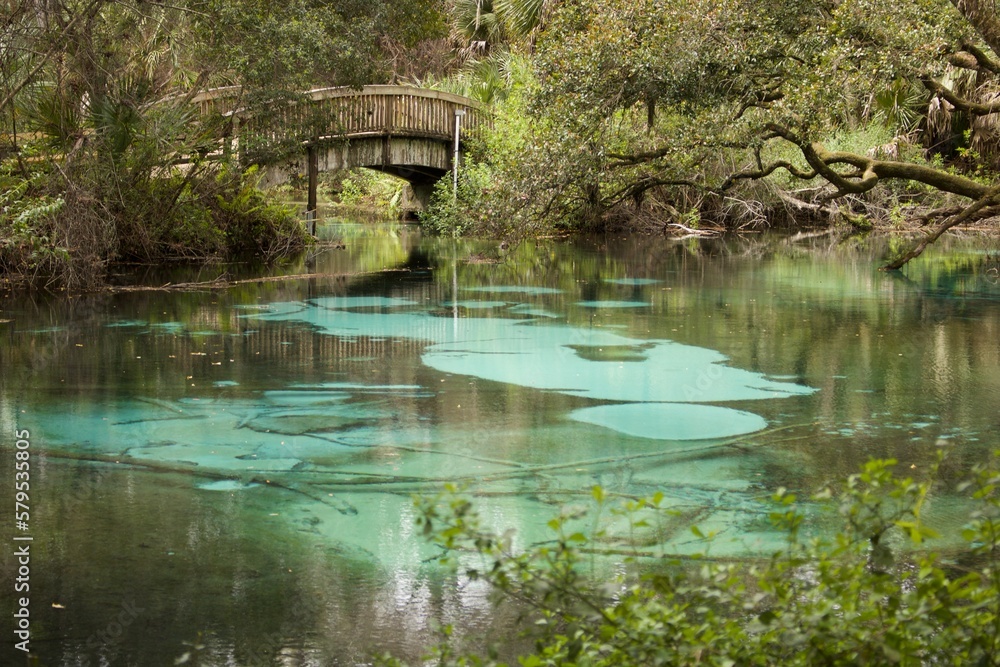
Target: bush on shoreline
(62, 225)
(870, 594)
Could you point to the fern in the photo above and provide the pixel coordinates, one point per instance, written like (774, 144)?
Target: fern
(41, 208)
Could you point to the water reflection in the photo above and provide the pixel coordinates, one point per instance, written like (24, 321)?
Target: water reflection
(238, 464)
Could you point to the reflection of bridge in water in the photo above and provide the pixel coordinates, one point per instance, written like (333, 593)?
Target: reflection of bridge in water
(409, 132)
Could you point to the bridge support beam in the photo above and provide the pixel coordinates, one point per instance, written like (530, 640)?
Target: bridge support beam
(418, 160)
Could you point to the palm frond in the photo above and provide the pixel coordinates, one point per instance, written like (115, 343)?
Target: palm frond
(520, 17)
(475, 20)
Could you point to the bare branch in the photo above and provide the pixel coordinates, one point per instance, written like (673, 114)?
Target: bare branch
(989, 201)
(760, 100)
(870, 171)
(185, 10)
(820, 160)
(763, 172)
(648, 183)
(976, 108)
(984, 60)
(638, 158)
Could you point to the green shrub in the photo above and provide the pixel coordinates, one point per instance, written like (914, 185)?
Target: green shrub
(867, 595)
(28, 245)
(459, 212)
(252, 222)
(63, 226)
(505, 183)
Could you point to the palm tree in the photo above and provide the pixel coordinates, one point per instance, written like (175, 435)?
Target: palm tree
(521, 17)
(476, 23)
(490, 23)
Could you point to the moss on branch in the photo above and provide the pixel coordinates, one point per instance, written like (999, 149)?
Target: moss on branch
(869, 171)
(976, 108)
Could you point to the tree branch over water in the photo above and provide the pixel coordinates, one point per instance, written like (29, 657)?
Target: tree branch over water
(988, 202)
(869, 171)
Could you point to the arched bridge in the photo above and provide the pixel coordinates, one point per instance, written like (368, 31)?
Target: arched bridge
(406, 131)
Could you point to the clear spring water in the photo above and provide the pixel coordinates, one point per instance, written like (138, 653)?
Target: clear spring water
(235, 468)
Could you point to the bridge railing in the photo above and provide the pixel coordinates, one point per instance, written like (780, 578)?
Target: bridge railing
(330, 114)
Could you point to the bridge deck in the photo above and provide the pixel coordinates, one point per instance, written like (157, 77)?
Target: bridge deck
(343, 113)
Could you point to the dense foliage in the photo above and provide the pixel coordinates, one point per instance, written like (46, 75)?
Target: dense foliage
(308, 43)
(733, 113)
(871, 594)
(676, 116)
(102, 156)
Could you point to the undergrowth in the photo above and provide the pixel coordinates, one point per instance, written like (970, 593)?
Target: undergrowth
(62, 224)
(869, 593)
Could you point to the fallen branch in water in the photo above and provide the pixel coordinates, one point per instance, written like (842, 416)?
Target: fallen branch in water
(416, 450)
(691, 232)
(322, 485)
(987, 205)
(739, 443)
(222, 282)
(247, 477)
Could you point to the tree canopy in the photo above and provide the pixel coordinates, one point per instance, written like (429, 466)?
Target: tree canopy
(101, 155)
(704, 106)
(677, 115)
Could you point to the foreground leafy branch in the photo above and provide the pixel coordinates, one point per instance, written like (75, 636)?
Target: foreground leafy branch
(866, 595)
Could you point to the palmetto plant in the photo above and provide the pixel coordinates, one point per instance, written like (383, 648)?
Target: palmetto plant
(901, 106)
(493, 30)
(475, 21)
(985, 130)
(496, 22)
(947, 127)
(522, 17)
(489, 80)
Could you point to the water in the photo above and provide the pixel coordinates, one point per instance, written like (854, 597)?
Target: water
(234, 468)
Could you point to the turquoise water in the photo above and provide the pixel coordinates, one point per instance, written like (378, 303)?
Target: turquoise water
(237, 466)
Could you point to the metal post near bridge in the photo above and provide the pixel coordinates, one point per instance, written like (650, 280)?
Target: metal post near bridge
(312, 170)
(454, 162)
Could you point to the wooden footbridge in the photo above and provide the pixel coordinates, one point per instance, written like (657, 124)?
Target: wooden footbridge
(413, 133)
